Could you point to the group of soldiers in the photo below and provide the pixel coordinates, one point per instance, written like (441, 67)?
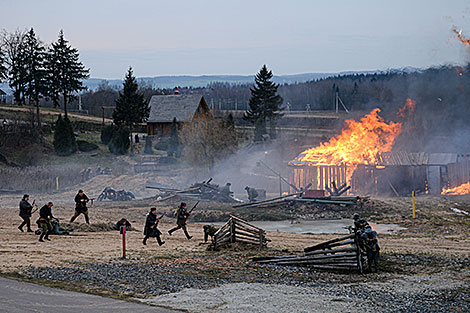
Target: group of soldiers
(368, 242)
(47, 223)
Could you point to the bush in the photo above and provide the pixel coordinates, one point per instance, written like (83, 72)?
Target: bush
(120, 142)
(162, 144)
(86, 146)
(64, 138)
(107, 133)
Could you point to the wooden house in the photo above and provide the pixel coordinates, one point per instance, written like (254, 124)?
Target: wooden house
(165, 108)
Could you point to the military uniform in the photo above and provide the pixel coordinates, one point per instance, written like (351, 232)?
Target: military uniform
(25, 214)
(181, 216)
(209, 230)
(372, 249)
(45, 218)
(80, 207)
(225, 191)
(252, 193)
(151, 230)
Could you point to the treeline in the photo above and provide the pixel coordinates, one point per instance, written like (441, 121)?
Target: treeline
(38, 72)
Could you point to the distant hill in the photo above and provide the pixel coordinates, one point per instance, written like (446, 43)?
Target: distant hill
(203, 80)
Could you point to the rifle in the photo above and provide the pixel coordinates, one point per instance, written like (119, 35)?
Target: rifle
(189, 212)
(34, 204)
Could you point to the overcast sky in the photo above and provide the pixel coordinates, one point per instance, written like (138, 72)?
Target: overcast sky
(237, 37)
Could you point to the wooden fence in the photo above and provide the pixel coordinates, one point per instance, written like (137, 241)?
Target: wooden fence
(341, 253)
(238, 230)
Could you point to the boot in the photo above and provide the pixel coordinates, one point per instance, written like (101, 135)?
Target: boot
(41, 236)
(87, 220)
(187, 235)
(47, 236)
(171, 231)
(144, 242)
(160, 242)
(30, 230)
(21, 228)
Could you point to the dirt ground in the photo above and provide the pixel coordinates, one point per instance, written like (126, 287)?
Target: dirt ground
(433, 242)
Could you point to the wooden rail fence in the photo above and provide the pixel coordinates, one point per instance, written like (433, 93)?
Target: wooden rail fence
(238, 230)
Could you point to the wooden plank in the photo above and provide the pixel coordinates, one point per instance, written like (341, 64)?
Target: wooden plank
(239, 233)
(243, 222)
(264, 201)
(247, 229)
(333, 251)
(324, 245)
(348, 256)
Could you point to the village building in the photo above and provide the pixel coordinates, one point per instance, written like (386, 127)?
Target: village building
(165, 108)
(3, 96)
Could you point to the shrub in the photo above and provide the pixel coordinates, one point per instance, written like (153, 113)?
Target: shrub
(86, 146)
(64, 138)
(107, 133)
(120, 142)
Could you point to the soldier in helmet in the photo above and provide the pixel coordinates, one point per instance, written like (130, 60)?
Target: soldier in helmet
(181, 217)
(252, 193)
(209, 230)
(225, 191)
(356, 221)
(372, 249)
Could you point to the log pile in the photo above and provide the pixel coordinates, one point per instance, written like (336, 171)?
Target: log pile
(199, 191)
(341, 253)
(238, 230)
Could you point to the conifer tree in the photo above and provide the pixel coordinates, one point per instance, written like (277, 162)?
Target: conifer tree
(131, 106)
(174, 143)
(16, 63)
(35, 80)
(265, 104)
(65, 71)
(64, 138)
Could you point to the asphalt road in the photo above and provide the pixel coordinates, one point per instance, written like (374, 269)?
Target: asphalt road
(21, 297)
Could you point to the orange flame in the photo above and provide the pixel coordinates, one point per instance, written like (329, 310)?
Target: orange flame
(463, 39)
(463, 189)
(359, 143)
(407, 109)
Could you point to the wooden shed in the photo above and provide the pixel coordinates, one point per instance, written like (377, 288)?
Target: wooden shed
(165, 108)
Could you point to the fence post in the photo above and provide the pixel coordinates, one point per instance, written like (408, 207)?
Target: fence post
(57, 183)
(123, 232)
(261, 239)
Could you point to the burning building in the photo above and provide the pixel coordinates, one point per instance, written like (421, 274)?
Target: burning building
(362, 157)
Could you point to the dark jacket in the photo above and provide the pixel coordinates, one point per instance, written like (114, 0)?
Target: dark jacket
(149, 222)
(181, 216)
(80, 205)
(45, 213)
(25, 208)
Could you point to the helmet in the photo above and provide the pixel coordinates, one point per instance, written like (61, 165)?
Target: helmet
(368, 227)
(356, 216)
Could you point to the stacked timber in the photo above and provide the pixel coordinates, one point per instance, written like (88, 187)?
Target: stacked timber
(238, 230)
(341, 253)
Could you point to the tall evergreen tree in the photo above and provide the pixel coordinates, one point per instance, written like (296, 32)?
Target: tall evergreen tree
(131, 106)
(265, 104)
(65, 71)
(64, 138)
(35, 80)
(16, 63)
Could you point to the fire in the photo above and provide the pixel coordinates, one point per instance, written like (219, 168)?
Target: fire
(407, 109)
(463, 189)
(463, 39)
(359, 143)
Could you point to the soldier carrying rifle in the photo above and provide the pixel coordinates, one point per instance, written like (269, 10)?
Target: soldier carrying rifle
(80, 206)
(181, 216)
(25, 213)
(150, 229)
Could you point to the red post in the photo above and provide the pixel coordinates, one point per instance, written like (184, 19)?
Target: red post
(123, 231)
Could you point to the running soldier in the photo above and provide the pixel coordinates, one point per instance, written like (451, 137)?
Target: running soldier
(25, 213)
(80, 206)
(150, 229)
(181, 217)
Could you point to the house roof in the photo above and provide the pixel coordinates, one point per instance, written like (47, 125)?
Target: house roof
(164, 108)
(415, 158)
